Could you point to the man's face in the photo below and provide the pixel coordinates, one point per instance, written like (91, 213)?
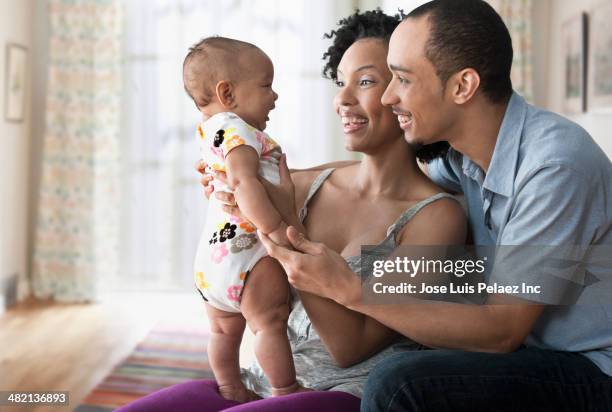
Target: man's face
(415, 93)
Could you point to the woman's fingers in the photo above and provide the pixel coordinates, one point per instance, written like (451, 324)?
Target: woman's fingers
(280, 253)
(208, 190)
(299, 242)
(221, 176)
(234, 211)
(226, 198)
(205, 180)
(229, 204)
(200, 166)
(208, 176)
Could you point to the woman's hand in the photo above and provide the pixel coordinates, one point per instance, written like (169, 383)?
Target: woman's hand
(229, 202)
(318, 270)
(281, 195)
(206, 179)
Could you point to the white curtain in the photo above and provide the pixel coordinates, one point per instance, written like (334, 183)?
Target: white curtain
(163, 207)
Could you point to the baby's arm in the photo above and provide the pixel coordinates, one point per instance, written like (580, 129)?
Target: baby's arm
(242, 165)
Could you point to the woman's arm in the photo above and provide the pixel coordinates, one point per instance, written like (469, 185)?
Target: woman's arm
(350, 337)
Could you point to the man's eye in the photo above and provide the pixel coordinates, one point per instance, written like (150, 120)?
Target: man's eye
(402, 80)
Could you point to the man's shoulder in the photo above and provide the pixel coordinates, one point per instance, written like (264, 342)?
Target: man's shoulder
(551, 139)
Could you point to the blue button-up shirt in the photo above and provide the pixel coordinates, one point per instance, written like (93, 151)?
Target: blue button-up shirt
(548, 184)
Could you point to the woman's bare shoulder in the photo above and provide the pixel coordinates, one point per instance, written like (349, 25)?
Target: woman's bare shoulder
(440, 222)
(302, 180)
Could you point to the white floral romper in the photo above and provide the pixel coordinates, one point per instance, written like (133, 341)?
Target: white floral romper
(229, 246)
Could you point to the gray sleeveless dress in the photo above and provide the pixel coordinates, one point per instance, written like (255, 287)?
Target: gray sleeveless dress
(314, 365)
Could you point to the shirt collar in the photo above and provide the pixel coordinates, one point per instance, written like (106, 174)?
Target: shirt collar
(502, 169)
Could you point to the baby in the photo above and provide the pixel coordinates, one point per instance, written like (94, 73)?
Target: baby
(230, 82)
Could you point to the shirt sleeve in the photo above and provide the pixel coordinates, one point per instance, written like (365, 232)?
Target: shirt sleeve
(235, 132)
(556, 215)
(442, 171)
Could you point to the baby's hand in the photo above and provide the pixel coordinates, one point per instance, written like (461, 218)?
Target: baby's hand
(279, 235)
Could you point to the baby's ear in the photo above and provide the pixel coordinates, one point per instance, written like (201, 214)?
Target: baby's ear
(225, 93)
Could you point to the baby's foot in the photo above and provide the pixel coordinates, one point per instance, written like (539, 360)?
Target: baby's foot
(238, 393)
(293, 388)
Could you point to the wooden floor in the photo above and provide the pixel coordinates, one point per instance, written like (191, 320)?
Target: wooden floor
(72, 347)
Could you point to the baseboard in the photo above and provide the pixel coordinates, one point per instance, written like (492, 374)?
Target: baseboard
(8, 292)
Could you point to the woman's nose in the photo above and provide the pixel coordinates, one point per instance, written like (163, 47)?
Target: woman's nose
(345, 97)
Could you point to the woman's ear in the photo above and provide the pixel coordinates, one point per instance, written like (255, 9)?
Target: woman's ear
(465, 83)
(225, 94)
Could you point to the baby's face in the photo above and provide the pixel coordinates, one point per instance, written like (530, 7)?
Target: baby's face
(254, 95)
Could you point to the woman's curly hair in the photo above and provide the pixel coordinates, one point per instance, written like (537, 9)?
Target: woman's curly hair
(373, 24)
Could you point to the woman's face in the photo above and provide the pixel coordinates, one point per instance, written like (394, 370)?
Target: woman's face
(363, 77)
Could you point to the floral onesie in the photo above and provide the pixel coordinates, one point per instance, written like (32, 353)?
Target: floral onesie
(229, 246)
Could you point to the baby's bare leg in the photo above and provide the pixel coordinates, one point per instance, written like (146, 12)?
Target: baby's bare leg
(227, 329)
(265, 305)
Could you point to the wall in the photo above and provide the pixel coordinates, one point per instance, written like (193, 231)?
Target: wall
(15, 27)
(559, 11)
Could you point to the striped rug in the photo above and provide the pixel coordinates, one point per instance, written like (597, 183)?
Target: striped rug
(166, 356)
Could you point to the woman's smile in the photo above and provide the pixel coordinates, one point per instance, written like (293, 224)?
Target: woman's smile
(353, 123)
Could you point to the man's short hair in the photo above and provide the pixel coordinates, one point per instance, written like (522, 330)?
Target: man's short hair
(469, 34)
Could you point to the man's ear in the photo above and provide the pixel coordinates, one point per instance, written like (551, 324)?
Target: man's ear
(464, 85)
(225, 94)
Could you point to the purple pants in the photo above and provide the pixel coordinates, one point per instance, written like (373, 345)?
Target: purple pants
(203, 396)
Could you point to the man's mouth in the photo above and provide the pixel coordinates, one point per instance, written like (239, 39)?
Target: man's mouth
(404, 119)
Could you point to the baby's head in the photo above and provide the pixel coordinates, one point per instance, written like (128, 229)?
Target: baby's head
(227, 75)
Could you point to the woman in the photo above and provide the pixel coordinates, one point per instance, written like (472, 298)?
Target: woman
(384, 200)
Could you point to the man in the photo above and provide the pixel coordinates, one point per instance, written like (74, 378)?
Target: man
(529, 177)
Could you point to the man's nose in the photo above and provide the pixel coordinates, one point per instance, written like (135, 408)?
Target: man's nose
(389, 97)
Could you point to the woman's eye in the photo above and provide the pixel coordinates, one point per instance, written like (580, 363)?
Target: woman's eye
(339, 83)
(365, 82)
(402, 80)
